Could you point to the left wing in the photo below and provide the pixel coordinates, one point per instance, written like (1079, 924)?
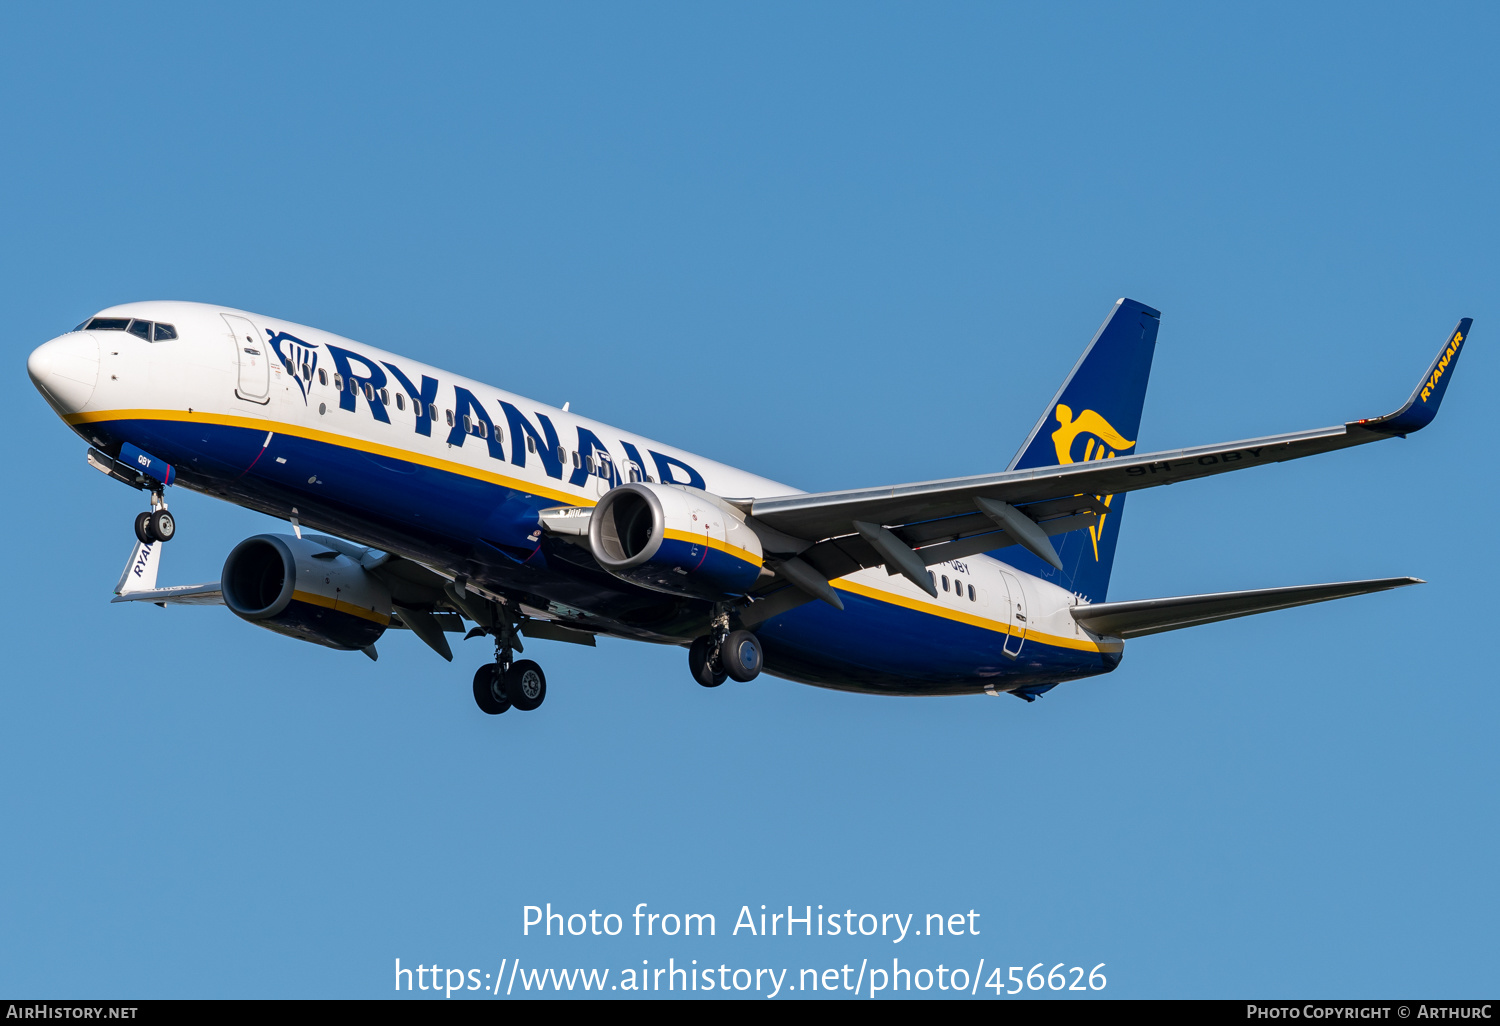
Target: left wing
(933, 521)
(180, 595)
(138, 582)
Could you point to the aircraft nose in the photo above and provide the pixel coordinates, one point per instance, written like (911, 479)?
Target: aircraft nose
(66, 370)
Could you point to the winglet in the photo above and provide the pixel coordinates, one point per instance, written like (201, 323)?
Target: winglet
(1423, 404)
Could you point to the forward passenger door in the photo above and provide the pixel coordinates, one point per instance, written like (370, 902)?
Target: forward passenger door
(254, 356)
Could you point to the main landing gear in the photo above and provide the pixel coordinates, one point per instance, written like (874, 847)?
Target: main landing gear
(155, 525)
(508, 682)
(723, 654)
(522, 685)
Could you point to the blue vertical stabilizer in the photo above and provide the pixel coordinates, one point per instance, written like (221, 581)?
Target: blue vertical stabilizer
(1096, 415)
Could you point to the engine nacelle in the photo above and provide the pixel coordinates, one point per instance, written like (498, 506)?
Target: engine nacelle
(682, 541)
(303, 589)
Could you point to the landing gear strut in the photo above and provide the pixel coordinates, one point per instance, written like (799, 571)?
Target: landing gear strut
(157, 524)
(507, 681)
(724, 654)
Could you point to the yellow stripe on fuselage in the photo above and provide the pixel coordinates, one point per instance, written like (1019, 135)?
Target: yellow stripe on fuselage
(933, 609)
(331, 438)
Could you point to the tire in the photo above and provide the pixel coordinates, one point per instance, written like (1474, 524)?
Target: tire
(705, 672)
(489, 698)
(740, 656)
(143, 528)
(161, 526)
(525, 685)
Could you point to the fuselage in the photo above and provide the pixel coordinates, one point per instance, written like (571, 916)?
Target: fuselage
(450, 472)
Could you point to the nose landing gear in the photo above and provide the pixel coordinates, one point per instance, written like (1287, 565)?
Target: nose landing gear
(155, 525)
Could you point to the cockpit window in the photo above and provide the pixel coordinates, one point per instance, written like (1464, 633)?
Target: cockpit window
(139, 328)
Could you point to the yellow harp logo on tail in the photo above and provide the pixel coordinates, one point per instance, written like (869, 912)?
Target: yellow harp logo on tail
(1102, 442)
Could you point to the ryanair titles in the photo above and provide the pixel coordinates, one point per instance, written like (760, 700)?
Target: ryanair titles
(356, 377)
(1442, 365)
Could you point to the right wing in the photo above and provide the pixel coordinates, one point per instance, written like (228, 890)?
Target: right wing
(940, 520)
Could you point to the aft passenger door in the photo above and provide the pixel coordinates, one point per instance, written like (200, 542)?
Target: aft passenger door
(1014, 597)
(254, 357)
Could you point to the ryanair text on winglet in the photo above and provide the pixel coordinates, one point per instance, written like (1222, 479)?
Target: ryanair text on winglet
(1442, 364)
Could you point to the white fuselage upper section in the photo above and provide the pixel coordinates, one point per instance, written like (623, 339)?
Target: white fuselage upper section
(222, 364)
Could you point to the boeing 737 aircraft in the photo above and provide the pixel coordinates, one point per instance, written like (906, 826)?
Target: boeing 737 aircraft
(452, 507)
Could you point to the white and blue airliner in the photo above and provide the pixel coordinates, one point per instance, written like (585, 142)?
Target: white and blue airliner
(435, 504)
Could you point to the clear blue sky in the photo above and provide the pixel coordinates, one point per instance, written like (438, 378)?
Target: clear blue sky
(838, 245)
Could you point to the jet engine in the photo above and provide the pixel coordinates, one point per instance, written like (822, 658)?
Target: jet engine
(682, 541)
(304, 589)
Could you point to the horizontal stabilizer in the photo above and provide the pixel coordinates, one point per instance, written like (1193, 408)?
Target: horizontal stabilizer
(1152, 616)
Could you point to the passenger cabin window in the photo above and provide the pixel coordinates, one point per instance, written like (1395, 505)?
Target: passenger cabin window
(635, 472)
(338, 382)
(400, 401)
(163, 333)
(468, 424)
(385, 397)
(108, 323)
(306, 372)
(971, 593)
(322, 377)
(945, 582)
(530, 444)
(431, 410)
(369, 392)
(450, 417)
